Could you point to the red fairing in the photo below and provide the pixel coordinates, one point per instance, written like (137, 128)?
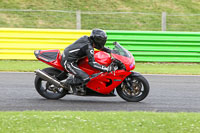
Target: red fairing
(101, 57)
(55, 63)
(106, 82)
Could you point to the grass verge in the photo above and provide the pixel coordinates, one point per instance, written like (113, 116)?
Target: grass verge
(144, 68)
(130, 21)
(169, 68)
(21, 66)
(98, 122)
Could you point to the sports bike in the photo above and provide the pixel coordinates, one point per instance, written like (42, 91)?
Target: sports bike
(129, 85)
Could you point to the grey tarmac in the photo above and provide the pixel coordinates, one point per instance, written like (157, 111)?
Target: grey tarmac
(168, 93)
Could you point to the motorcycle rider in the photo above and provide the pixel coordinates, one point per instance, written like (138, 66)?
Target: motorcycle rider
(84, 46)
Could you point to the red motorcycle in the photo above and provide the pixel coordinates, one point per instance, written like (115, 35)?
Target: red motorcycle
(131, 86)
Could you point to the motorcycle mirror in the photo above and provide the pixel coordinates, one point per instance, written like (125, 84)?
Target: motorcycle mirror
(115, 43)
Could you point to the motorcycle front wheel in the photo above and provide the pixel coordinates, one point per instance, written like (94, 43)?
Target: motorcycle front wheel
(48, 90)
(133, 89)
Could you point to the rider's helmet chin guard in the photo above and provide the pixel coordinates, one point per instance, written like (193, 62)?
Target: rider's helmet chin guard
(99, 37)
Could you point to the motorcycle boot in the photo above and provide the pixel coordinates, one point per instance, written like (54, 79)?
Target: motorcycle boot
(74, 89)
(75, 85)
(79, 90)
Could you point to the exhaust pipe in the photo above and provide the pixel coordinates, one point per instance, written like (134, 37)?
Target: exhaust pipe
(48, 78)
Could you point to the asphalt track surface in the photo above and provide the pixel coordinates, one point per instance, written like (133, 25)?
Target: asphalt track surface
(168, 93)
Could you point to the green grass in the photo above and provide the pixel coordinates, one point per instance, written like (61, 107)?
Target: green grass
(98, 122)
(105, 21)
(169, 68)
(144, 68)
(21, 66)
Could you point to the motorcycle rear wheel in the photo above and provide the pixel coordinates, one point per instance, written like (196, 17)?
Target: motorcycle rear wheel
(140, 89)
(46, 89)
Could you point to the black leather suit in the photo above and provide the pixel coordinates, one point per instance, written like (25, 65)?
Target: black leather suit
(79, 49)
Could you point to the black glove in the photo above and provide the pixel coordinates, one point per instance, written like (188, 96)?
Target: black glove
(110, 68)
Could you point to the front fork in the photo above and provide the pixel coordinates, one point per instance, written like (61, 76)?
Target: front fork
(128, 83)
(128, 80)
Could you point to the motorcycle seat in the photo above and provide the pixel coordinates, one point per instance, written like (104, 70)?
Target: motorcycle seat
(47, 55)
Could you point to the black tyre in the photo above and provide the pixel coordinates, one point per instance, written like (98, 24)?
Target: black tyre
(138, 91)
(46, 89)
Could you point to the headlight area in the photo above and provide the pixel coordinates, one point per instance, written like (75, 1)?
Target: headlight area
(132, 66)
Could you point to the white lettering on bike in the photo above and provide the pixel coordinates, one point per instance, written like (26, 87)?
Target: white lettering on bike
(92, 52)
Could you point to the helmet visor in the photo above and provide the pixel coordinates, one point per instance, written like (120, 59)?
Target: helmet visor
(100, 42)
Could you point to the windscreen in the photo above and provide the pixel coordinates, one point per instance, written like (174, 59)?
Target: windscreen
(119, 50)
